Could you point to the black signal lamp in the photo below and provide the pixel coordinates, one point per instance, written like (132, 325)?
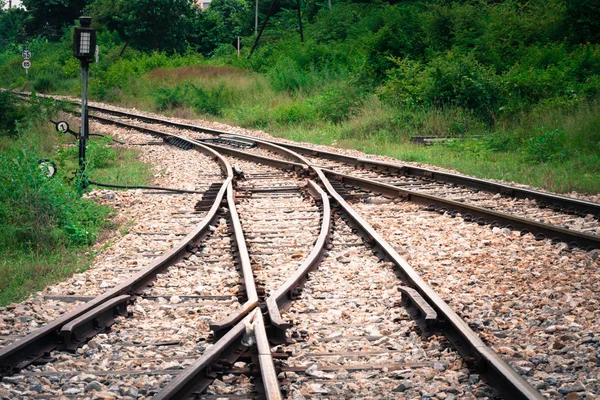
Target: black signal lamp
(84, 40)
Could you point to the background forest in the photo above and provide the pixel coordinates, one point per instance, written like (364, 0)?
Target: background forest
(518, 78)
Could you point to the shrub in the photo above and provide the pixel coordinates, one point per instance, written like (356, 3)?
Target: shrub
(10, 113)
(338, 104)
(252, 117)
(168, 98)
(400, 35)
(45, 84)
(296, 113)
(99, 154)
(286, 75)
(546, 146)
(38, 212)
(449, 80)
(209, 101)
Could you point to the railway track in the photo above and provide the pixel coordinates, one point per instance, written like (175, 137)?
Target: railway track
(334, 305)
(353, 338)
(545, 216)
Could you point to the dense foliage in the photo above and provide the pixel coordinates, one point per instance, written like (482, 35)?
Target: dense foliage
(381, 70)
(36, 211)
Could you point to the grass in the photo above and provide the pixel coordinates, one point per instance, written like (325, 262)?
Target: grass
(108, 162)
(527, 157)
(24, 272)
(552, 146)
(50, 252)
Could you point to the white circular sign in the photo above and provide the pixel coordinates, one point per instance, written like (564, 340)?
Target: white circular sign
(62, 126)
(26, 54)
(26, 64)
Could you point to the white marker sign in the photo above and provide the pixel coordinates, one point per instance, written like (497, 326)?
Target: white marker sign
(26, 64)
(62, 126)
(26, 54)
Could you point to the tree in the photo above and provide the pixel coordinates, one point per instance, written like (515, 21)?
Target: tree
(583, 20)
(48, 17)
(235, 18)
(12, 26)
(148, 24)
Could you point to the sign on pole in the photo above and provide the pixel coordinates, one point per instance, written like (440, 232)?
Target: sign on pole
(62, 126)
(26, 54)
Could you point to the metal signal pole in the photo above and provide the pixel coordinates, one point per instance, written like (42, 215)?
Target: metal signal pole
(84, 47)
(256, 18)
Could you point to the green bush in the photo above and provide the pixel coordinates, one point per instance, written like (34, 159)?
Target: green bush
(449, 80)
(44, 84)
(169, 98)
(99, 153)
(208, 101)
(546, 145)
(287, 76)
(296, 113)
(38, 212)
(11, 112)
(252, 117)
(338, 104)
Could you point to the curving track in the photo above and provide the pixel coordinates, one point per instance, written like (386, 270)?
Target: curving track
(347, 317)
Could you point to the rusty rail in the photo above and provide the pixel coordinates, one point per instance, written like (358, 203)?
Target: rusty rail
(456, 330)
(467, 342)
(244, 261)
(481, 215)
(286, 292)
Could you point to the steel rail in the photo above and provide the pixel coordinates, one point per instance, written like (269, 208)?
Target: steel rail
(481, 215)
(462, 337)
(198, 376)
(195, 378)
(467, 342)
(38, 345)
(485, 216)
(478, 214)
(245, 265)
(265, 358)
(278, 299)
(458, 332)
(273, 162)
(222, 149)
(544, 199)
